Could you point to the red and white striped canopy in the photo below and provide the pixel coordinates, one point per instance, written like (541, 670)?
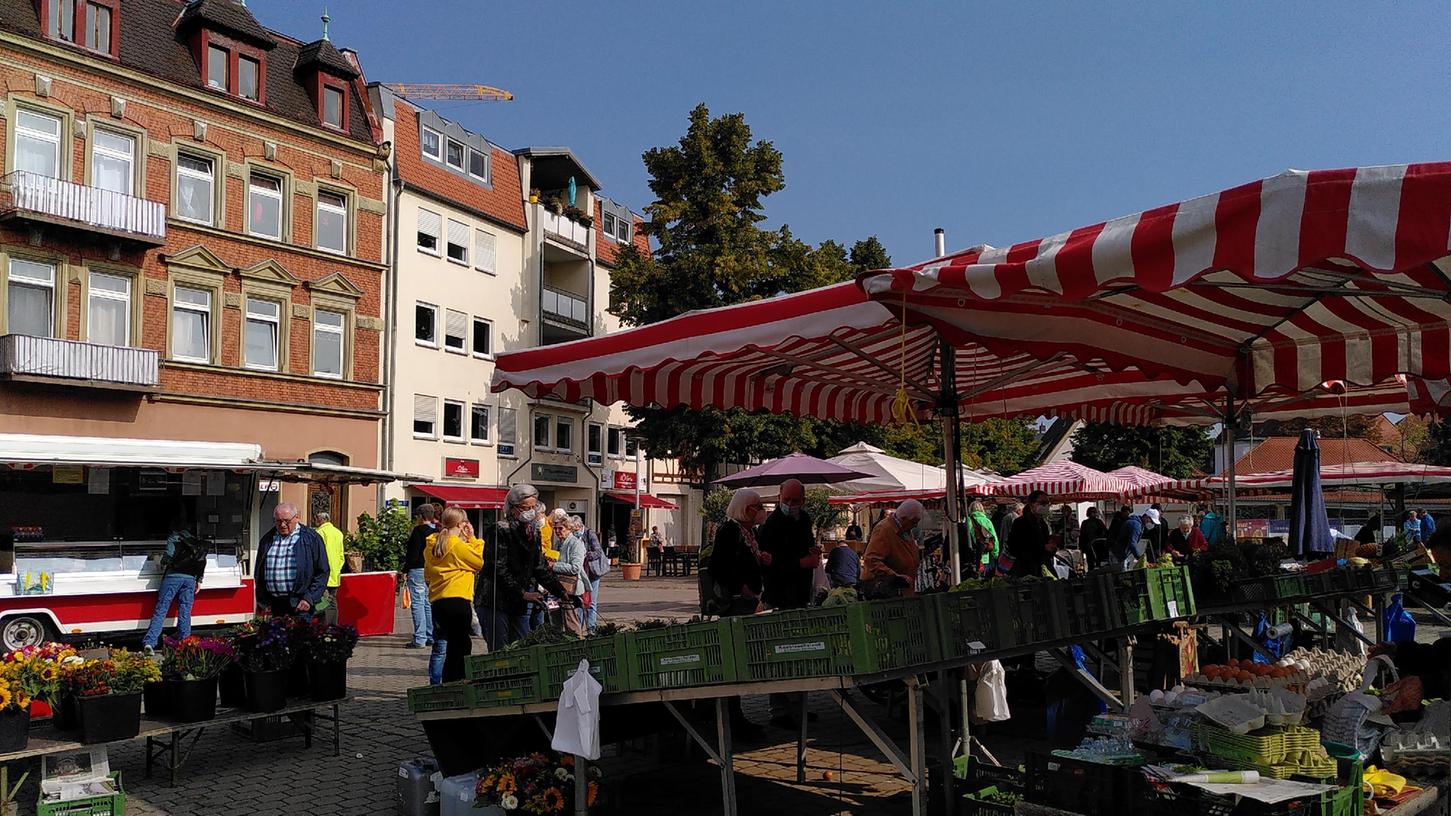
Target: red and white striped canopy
(1342, 475)
(1139, 477)
(1063, 478)
(1274, 286)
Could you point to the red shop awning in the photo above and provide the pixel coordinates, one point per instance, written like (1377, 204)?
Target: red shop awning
(647, 501)
(462, 496)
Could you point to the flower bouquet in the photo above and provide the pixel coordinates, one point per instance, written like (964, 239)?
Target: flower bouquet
(108, 694)
(266, 654)
(192, 666)
(536, 784)
(326, 648)
(14, 712)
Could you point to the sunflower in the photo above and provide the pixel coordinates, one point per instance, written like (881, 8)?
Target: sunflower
(554, 800)
(507, 785)
(22, 700)
(6, 698)
(49, 673)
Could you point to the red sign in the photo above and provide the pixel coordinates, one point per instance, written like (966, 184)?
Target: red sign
(624, 480)
(460, 468)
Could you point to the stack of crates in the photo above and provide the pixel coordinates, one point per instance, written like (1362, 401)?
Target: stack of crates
(1027, 613)
(1126, 597)
(961, 619)
(505, 677)
(1084, 604)
(1291, 586)
(856, 639)
(690, 654)
(1171, 594)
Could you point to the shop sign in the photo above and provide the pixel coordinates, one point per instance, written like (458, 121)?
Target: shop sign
(554, 473)
(454, 468)
(624, 480)
(67, 474)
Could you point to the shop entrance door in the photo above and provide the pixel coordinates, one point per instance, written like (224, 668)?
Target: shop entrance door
(323, 497)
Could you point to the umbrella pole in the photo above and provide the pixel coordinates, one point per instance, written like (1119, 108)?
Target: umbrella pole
(1229, 423)
(947, 409)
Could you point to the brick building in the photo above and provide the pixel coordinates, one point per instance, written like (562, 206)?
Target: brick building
(191, 250)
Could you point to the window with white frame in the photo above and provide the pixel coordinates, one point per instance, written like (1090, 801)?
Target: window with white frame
(508, 421)
(485, 250)
(453, 420)
(479, 165)
(613, 442)
(261, 334)
(191, 324)
(425, 416)
(622, 230)
(432, 142)
(30, 298)
(458, 242)
(483, 338)
(607, 221)
(455, 331)
(264, 206)
(37, 143)
(108, 309)
(594, 443)
(543, 426)
(195, 188)
(425, 324)
(563, 434)
(332, 106)
(113, 161)
(327, 342)
(430, 226)
(332, 222)
(479, 423)
(454, 155)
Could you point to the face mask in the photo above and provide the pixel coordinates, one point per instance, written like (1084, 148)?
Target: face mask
(528, 516)
(793, 512)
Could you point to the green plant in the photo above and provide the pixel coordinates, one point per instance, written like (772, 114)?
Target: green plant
(824, 515)
(713, 506)
(382, 540)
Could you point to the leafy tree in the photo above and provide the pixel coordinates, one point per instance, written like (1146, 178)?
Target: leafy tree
(1007, 446)
(868, 254)
(713, 506)
(825, 516)
(1437, 448)
(1415, 436)
(1174, 452)
(1362, 427)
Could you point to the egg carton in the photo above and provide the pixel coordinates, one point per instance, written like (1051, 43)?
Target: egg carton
(1265, 748)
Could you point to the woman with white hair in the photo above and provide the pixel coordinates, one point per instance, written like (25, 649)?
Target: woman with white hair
(569, 567)
(889, 565)
(735, 561)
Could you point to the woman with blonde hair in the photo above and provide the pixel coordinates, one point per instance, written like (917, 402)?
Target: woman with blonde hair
(452, 557)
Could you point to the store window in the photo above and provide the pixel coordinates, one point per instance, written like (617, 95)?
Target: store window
(108, 310)
(30, 298)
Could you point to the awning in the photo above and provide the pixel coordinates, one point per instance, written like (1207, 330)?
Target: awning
(463, 496)
(326, 472)
(1342, 475)
(1062, 479)
(647, 502)
(119, 452)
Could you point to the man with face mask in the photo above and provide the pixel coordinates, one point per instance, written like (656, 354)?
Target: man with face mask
(512, 567)
(788, 537)
(1028, 538)
(1133, 538)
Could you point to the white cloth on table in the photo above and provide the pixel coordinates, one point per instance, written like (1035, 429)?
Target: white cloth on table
(577, 724)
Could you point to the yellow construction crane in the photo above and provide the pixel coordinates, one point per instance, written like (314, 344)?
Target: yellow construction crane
(477, 93)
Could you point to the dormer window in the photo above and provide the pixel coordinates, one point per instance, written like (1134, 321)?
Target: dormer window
(218, 64)
(332, 106)
(99, 18)
(249, 78)
(62, 25)
(88, 23)
(235, 68)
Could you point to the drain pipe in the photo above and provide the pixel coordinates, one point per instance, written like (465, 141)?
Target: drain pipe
(390, 326)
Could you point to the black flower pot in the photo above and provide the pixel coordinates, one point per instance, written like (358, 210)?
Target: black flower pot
(14, 729)
(109, 717)
(194, 700)
(267, 690)
(297, 679)
(63, 713)
(233, 687)
(157, 698)
(328, 681)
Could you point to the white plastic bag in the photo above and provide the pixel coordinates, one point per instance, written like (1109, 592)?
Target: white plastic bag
(992, 693)
(819, 582)
(577, 724)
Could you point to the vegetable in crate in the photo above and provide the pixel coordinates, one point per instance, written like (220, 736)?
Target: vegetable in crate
(841, 596)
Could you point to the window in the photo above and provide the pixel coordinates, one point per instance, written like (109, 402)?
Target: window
(455, 156)
(37, 143)
(332, 222)
(332, 106)
(507, 419)
(594, 443)
(264, 206)
(432, 143)
(458, 242)
(430, 225)
(249, 73)
(217, 59)
(191, 324)
(564, 434)
(62, 23)
(113, 159)
(484, 250)
(479, 165)
(425, 416)
(98, 27)
(608, 222)
(453, 420)
(425, 324)
(479, 423)
(31, 298)
(108, 310)
(632, 445)
(259, 346)
(455, 331)
(483, 337)
(327, 343)
(622, 230)
(194, 188)
(613, 442)
(542, 424)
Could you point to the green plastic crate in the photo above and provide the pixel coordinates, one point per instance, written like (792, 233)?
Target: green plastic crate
(521, 689)
(1320, 584)
(961, 618)
(438, 698)
(1128, 599)
(607, 663)
(1385, 578)
(1171, 594)
(108, 805)
(1082, 601)
(892, 634)
(690, 654)
(503, 663)
(977, 804)
(799, 643)
(1026, 613)
(1290, 587)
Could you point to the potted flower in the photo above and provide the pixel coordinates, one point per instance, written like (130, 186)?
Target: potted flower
(533, 784)
(327, 648)
(14, 714)
(265, 654)
(32, 676)
(533, 195)
(108, 695)
(193, 665)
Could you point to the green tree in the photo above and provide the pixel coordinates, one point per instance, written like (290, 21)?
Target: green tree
(1437, 447)
(1175, 452)
(1007, 446)
(1362, 427)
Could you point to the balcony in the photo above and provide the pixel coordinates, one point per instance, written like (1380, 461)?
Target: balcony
(42, 199)
(562, 228)
(24, 358)
(565, 315)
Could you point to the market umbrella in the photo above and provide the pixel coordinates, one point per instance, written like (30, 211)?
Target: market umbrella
(1309, 524)
(808, 469)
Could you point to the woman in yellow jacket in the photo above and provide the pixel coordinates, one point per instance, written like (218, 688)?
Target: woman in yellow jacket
(451, 559)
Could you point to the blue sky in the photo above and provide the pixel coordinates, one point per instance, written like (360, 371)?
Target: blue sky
(999, 122)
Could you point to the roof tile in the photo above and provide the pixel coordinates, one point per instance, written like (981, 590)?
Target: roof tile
(1278, 453)
(503, 201)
